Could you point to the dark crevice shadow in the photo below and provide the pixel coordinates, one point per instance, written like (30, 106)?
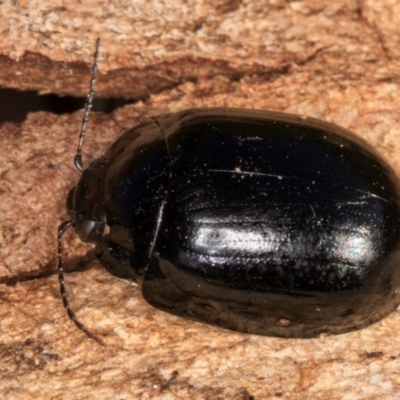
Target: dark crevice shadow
(71, 264)
(16, 104)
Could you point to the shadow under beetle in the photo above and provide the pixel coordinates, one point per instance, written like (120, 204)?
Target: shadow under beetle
(255, 221)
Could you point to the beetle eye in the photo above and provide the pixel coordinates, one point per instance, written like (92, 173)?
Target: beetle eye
(89, 230)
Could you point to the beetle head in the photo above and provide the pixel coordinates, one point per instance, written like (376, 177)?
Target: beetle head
(85, 203)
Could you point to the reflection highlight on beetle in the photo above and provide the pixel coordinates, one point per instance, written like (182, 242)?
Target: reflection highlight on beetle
(355, 246)
(231, 238)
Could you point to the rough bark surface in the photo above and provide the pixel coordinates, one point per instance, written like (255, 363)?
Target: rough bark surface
(338, 61)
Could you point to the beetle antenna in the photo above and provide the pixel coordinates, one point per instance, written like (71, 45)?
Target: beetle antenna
(61, 230)
(88, 106)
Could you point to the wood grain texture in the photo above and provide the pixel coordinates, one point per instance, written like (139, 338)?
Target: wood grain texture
(335, 61)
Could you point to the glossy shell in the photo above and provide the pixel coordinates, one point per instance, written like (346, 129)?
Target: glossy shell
(255, 221)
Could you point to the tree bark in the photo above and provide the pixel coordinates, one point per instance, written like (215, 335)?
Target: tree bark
(335, 61)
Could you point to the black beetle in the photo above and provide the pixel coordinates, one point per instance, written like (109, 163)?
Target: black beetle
(255, 221)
